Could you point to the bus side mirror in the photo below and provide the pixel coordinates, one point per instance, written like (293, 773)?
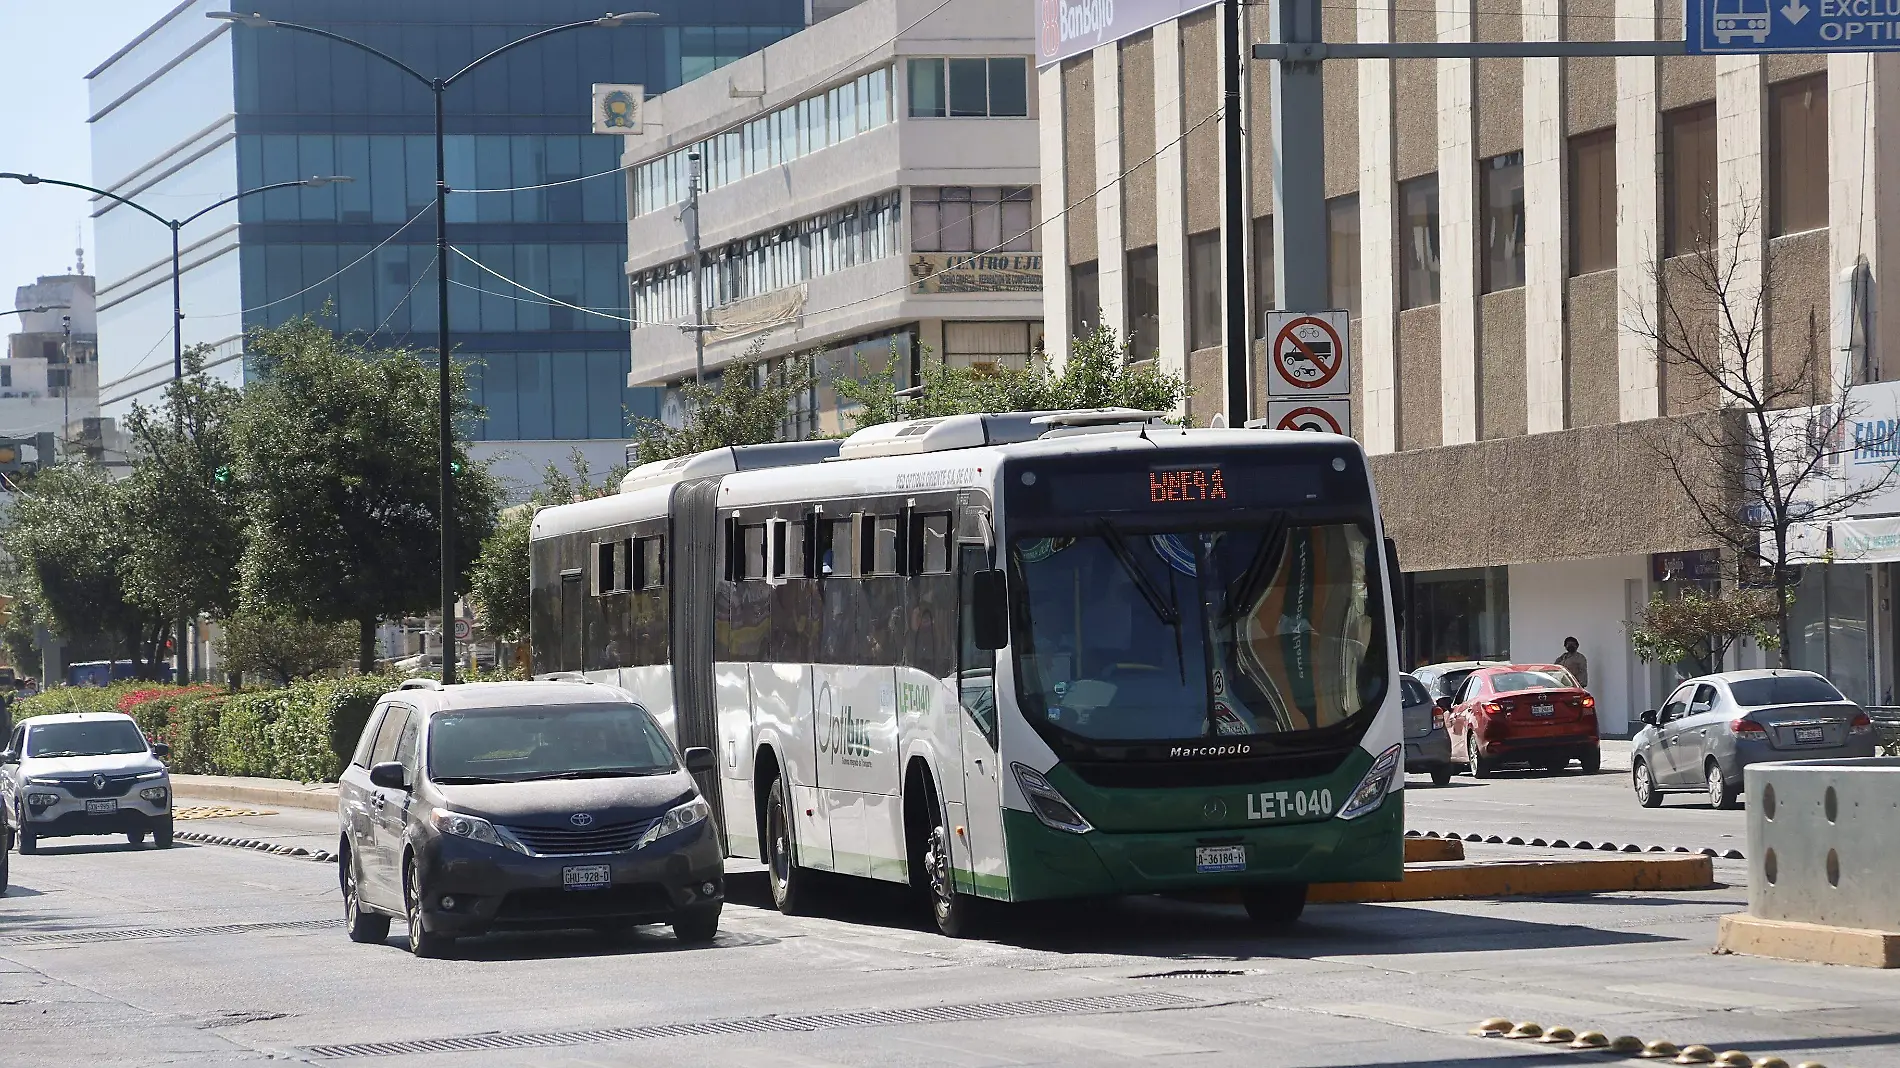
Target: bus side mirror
(989, 607)
(1394, 578)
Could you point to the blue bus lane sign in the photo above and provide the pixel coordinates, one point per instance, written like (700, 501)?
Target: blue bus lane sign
(1750, 26)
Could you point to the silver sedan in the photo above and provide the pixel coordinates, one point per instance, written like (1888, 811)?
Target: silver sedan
(1714, 726)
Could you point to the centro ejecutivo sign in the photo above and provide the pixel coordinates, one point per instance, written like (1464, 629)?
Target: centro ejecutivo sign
(1071, 28)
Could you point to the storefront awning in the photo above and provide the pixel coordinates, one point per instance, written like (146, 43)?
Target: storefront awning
(1855, 541)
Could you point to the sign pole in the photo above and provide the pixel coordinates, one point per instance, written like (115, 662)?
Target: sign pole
(1300, 266)
(1234, 241)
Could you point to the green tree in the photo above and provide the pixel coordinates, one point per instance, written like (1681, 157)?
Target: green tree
(747, 405)
(281, 646)
(1699, 624)
(1097, 374)
(499, 582)
(337, 453)
(68, 536)
(184, 522)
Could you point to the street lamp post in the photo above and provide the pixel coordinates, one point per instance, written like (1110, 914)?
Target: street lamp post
(445, 393)
(175, 225)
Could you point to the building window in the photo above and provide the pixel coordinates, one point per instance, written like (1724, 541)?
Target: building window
(1418, 232)
(1501, 211)
(966, 219)
(1085, 299)
(1797, 155)
(6, 377)
(986, 346)
(1342, 252)
(778, 137)
(1263, 279)
(1204, 289)
(1689, 204)
(1143, 279)
(1593, 201)
(997, 87)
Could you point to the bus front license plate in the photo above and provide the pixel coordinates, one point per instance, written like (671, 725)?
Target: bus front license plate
(1220, 858)
(587, 876)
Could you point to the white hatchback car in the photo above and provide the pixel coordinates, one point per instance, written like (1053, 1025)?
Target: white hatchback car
(84, 773)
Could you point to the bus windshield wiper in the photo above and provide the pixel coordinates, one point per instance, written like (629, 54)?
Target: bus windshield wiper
(1167, 611)
(1151, 593)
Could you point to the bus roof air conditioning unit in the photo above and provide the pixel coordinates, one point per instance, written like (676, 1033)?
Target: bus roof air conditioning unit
(950, 432)
(716, 462)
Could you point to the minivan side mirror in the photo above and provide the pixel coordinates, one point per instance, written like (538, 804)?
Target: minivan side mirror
(989, 607)
(1444, 703)
(700, 759)
(1648, 717)
(9, 757)
(390, 775)
(161, 749)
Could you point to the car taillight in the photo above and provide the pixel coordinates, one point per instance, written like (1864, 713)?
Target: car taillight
(1438, 719)
(1493, 708)
(1746, 726)
(1589, 702)
(1860, 724)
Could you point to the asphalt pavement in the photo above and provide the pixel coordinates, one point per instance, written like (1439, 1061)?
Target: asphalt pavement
(207, 954)
(1572, 806)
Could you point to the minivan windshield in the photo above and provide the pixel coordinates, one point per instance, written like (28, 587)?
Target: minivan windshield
(1783, 690)
(105, 737)
(565, 742)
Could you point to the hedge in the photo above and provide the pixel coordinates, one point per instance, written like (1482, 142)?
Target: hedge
(304, 732)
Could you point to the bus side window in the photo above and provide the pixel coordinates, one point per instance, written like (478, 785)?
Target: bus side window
(835, 561)
(933, 556)
(976, 668)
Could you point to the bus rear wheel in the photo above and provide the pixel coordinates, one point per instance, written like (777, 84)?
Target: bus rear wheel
(789, 891)
(1276, 906)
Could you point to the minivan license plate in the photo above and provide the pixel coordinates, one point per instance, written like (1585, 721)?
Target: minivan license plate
(101, 808)
(587, 876)
(1220, 858)
(1804, 735)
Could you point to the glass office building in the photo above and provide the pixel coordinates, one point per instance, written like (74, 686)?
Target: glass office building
(194, 109)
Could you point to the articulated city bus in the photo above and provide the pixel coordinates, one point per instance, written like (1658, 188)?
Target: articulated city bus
(1009, 657)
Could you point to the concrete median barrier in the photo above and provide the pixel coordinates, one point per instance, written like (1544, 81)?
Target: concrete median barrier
(1520, 878)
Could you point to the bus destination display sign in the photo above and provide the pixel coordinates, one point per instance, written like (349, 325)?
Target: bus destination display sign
(1182, 485)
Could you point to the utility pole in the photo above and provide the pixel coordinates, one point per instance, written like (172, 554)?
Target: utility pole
(692, 244)
(1239, 339)
(66, 389)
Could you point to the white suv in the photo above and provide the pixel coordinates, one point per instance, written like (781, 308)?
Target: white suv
(84, 773)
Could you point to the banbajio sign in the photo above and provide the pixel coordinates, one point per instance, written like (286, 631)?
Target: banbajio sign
(1071, 27)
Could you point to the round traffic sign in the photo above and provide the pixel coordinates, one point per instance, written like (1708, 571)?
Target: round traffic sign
(1318, 420)
(462, 630)
(1307, 352)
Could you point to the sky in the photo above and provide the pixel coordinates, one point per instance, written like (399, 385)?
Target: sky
(46, 48)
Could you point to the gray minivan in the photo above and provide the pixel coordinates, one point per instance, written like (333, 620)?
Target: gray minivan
(523, 805)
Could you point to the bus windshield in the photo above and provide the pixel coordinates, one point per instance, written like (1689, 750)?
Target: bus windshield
(1215, 630)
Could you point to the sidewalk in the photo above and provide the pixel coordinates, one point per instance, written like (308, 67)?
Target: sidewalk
(279, 792)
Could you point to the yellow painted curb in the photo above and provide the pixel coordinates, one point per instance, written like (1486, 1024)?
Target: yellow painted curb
(1820, 943)
(1421, 850)
(1521, 877)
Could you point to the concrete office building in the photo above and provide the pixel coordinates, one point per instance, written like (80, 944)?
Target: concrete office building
(1494, 225)
(193, 110)
(49, 380)
(851, 173)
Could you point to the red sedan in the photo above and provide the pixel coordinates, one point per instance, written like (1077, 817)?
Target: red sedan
(1529, 714)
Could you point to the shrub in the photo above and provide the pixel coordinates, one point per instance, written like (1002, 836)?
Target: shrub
(244, 745)
(63, 699)
(192, 732)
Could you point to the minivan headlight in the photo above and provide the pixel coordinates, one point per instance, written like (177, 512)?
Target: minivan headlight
(473, 828)
(676, 819)
(1374, 786)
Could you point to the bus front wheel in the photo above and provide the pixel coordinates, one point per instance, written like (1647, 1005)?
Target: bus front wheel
(954, 913)
(1275, 906)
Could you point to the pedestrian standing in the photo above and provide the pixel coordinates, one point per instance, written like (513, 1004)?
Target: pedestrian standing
(1575, 662)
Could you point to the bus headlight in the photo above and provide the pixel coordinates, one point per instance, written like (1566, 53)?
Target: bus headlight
(1373, 788)
(1048, 804)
